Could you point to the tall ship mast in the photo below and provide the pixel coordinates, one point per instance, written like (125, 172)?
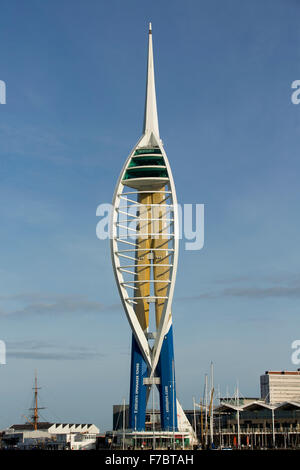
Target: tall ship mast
(144, 250)
(35, 408)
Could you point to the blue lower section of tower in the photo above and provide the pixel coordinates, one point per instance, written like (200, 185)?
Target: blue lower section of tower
(167, 389)
(138, 391)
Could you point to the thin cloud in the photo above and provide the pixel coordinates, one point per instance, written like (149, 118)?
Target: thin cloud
(29, 344)
(261, 293)
(277, 278)
(283, 287)
(53, 304)
(30, 140)
(61, 306)
(54, 356)
(39, 350)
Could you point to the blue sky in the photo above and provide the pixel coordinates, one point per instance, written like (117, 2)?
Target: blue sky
(75, 77)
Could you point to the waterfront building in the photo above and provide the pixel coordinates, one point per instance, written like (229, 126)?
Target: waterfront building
(279, 386)
(51, 436)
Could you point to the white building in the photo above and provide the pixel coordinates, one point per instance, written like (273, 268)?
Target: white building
(280, 386)
(75, 436)
(59, 435)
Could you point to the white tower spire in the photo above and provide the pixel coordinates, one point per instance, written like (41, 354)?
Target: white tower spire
(150, 118)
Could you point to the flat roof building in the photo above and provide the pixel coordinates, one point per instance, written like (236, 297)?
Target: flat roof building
(51, 436)
(280, 386)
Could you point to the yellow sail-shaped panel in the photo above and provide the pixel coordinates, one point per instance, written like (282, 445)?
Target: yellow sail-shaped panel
(143, 262)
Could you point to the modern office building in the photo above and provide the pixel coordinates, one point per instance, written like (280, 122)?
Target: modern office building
(280, 386)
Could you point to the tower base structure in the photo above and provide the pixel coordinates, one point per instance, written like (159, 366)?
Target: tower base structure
(141, 384)
(158, 440)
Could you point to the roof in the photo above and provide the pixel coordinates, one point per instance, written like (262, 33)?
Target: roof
(30, 427)
(288, 405)
(230, 399)
(46, 425)
(257, 405)
(282, 372)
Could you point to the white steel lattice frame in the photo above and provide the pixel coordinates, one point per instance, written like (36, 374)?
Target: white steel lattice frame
(125, 248)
